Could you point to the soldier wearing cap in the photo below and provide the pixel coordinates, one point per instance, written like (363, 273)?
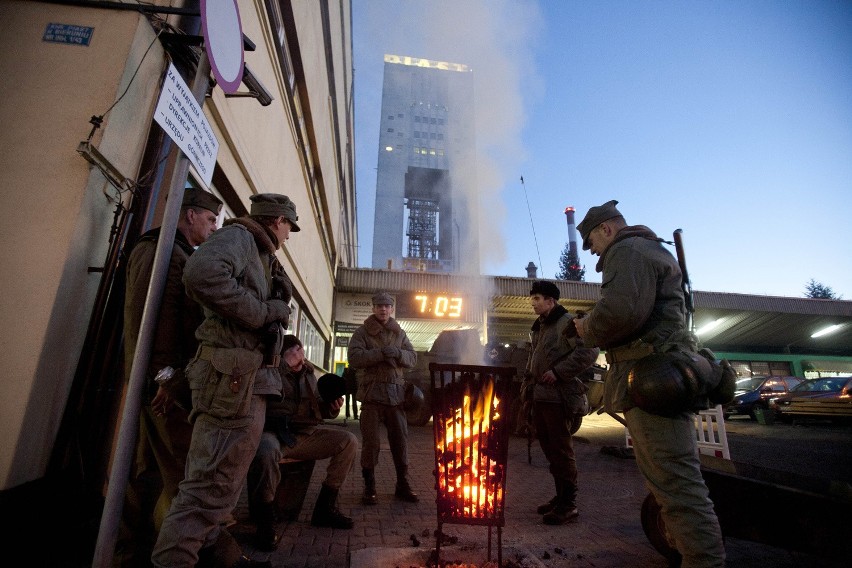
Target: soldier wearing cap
(552, 384)
(237, 279)
(294, 429)
(380, 352)
(641, 311)
(164, 431)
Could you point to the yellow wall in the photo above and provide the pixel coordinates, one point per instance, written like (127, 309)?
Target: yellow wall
(54, 217)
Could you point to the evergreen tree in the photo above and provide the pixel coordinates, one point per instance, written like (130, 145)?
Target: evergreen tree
(569, 266)
(814, 289)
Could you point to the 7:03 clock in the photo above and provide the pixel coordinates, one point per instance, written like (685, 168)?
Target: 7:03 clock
(432, 306)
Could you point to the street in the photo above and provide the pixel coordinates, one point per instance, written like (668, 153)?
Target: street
(812, 449)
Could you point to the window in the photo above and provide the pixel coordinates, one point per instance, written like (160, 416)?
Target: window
(416, 119)
(390, 129)
(274, 10)
(416, 134)
(312, 340)
(390, 117)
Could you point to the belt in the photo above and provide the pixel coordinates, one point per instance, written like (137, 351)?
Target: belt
(205, 353)
(620, 355)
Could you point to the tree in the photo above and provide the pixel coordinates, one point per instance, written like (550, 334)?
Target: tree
(569, 266)
(814, 289)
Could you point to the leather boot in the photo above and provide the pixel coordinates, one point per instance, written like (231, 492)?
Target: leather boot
(565, 510)
(265, 538)
(545, 508)
(403, 489)
(370, 497)
(227, 553)
(326, 513)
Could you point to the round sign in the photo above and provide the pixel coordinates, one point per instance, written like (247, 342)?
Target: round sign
(223, 40)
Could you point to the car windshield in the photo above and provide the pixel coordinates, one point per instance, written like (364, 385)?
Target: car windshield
(827, 384)
(749, 384)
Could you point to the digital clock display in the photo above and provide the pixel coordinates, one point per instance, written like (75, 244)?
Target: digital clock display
(423, 305)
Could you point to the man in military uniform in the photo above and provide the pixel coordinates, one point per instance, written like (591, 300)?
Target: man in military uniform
(558, 395)
(381, 351)
(294, 430)
(164, 428)
(642, 311)
(245, 292)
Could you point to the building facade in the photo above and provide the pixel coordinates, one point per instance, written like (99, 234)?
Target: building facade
(86, 170)
(426, 215)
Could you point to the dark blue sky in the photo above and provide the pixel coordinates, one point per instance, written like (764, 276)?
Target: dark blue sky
(730, 120)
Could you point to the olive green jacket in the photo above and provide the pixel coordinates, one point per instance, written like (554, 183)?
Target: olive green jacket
(174, 342)
(379, 377)
(556, 347)
(641, 306)
(231, 276)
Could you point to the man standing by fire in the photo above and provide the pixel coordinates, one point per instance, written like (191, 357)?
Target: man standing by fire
(380, 351)
(558, 395)
(642, 311)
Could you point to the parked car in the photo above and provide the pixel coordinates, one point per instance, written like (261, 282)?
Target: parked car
(754, 392)
(827, 397)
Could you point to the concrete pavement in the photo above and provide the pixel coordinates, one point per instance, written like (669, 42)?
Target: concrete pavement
(396, 534)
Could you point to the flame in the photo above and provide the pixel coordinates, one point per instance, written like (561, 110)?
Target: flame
(470, 479)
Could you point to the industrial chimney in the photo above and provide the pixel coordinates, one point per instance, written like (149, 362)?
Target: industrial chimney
(572, 232)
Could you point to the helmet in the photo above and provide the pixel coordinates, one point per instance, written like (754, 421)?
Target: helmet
(414, 399)
(669, 383)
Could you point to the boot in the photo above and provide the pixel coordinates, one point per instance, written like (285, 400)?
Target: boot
(370, 497)
(265, 538)
(226, 553)
(548, 507)
(565, 510)
(326, 513)
(403, 489)
(545, 508)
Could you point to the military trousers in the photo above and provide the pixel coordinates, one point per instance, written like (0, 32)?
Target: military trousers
(666, 452)
(373, 414)
(216, 469)
(317, 443)
(553, 430)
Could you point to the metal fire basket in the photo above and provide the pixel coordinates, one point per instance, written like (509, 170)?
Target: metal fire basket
(470, 406)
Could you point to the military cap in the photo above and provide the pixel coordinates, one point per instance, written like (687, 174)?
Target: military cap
(196, 197)
(595, 217)
(382, 299)
(545, 288)
(331, 387)
(275, 205)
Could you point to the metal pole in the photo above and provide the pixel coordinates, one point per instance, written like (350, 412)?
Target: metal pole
(120, 473)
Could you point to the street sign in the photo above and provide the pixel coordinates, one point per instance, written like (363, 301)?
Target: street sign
(181, 117)
(223, 40)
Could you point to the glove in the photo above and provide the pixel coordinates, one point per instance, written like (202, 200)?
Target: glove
(391, 352)
(278, 311)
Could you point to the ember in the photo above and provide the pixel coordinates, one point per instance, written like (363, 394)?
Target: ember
(471, 445)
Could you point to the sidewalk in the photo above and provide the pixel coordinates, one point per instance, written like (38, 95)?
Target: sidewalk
(396, 534)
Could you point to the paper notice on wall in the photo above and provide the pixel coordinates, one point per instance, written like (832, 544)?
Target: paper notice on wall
(180, 115)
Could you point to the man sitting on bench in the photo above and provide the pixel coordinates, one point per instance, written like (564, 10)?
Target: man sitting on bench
(294, 430)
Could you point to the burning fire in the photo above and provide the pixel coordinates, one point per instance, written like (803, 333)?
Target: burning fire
(470, 478)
